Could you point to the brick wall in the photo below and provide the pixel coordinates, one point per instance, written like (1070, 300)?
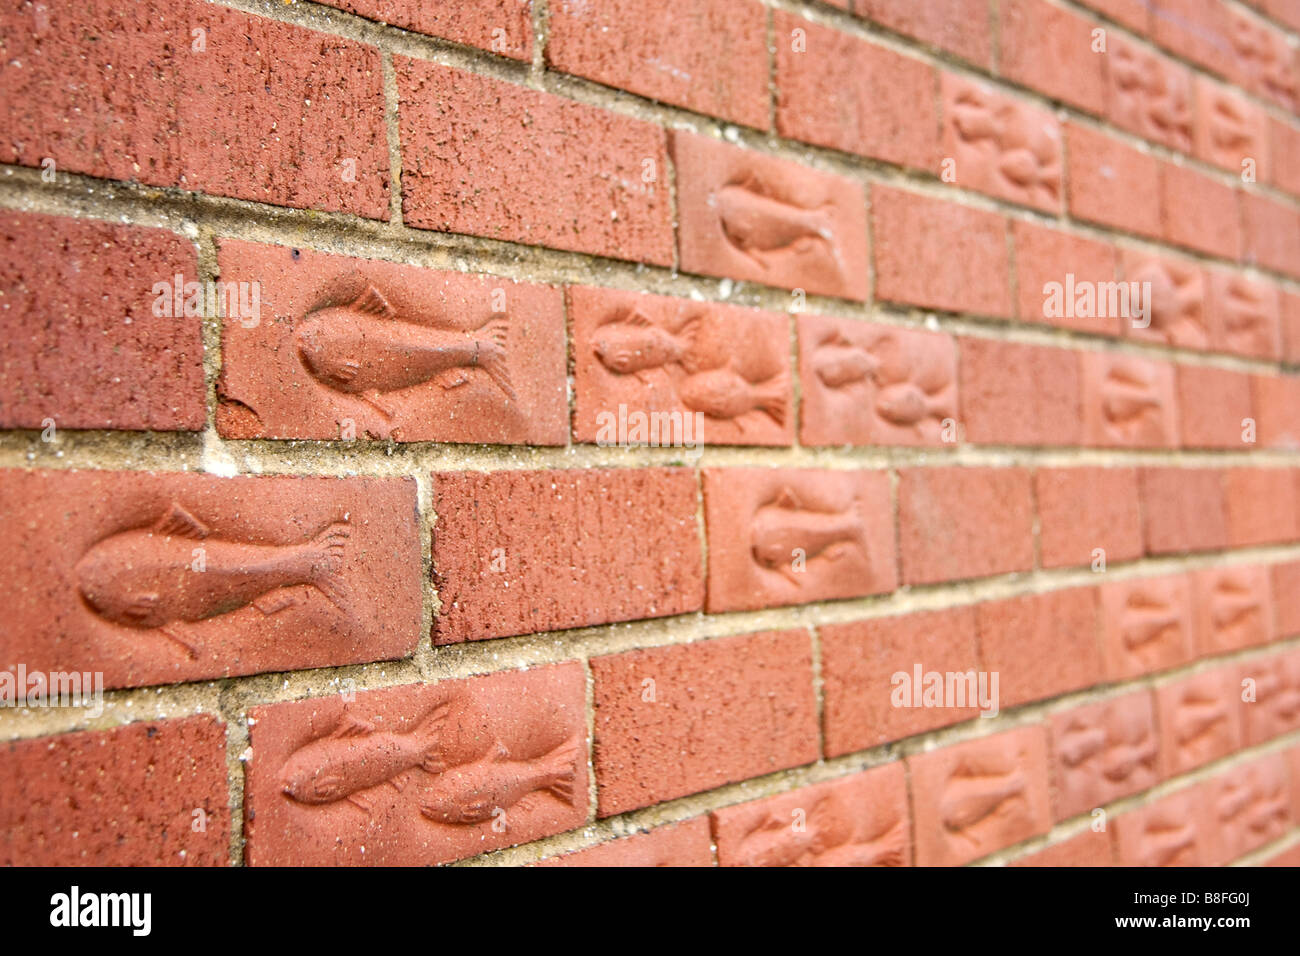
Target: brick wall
(374, 561)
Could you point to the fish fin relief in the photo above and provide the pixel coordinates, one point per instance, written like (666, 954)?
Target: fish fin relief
(491, 353)
(350, 726)
(375, 399)
(561, 762)
(177, 633)
(635, 317)
(180, 523)
(787, 499)
(276, 601)
(329, 551)
(788, 572)
(452, 378)
(141, 606)
(431, 728)
(772, 398)
(372, 302)
(359, 801)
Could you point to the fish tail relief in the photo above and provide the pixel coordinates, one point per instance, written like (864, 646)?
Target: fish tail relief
(687, 337)
(490, 354)
(329, 548)
(561, 771)
(430, 732)
(772, 398)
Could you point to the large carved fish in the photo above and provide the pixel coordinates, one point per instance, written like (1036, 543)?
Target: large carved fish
(973, 797)
(839, 363)
(723, 393)
(760, 226)
(634, 345)
(781, 527)
(472, 793)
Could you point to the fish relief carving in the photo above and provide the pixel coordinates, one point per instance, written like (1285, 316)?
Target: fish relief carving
(356, 757)
(1113, 749)
(1268, 59)
(1027, 160)
(1199, 716)
(1151, 97)
(974, 795)
(634, 345)
(1176, 304)
(1164, 842)
(145, 578)
(473, 793)
(1131, 403)
(763, 227)
(1148, 620)
(365, 349)
(913, 392)
(1230, 134)
(723, 393)
(1235, 612)
(785, 526)
(1246, 318)
(827, 839)
(839, 364)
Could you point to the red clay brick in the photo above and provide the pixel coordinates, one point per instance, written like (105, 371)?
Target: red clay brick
(958, 26)
(718, 367)
(1282, 10)
(1265, 61)
(80, 338)
(848, 94)
(1041, 645)
(1291, 324)
(860, 820)
(1083, 509)
(1233, 608)
(709, 56)
(1146, 625)
(288, 108)
(1210, 223)
(1049, 48)
(680, 844)
(1176, 830)
(1270, 233)
(1183, 510)
(1230, 130)
(1128, 401)
(291, 374)
(677, 720)
(1045, 256)
(1284, 161)
(1148, 94)
(973, 798)
(1250, 805)
(1013, 394)
(1176, 307)
(1246, 315)
(1111, 183)
(944, 531)
(1274, 707)
(1276, 400)
(1199, 720)
(1089, 848)
(500, 26)
(1213, 404)
(1135, 14)
(746, 215)
(147, 794)
(418, 774)
(516, 552)
(782, 536)
(1286, 598)
(1261, 506)
(865, 706)
(157, 577)
(489, 158)
(940, 255)
(1103, 752)
(1195, 30)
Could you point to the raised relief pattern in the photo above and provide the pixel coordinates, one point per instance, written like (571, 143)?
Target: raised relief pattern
(827, 837)
(1150, 96)
(1003, 147)
(786, 534)
(769, 230)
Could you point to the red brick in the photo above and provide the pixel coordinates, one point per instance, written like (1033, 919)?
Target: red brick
(1261, 506)
(1134, 14)
(1183, 510)
(709, 56)
(1045, 256)
(680, 844)
(782, 536)
(501, 26)
(746, 215)
(1199, 720)
(1274, 707)
(1083, 509)
(860, 820)
(322, 311)
(1176, 305)
(147, 794)
(1000, 145)
(493, 159)
(517, 552)
(1233, 608)
(1089, 848)
(286, 107)
(1230, 129)
(1128, 402)
(1146, 625)
(341, 587)
(1214, 404)
(1210, 224)
(1284, 11)
(1176, 830)
(958, 26)
(80, 340)
(1196, 30)
(1246, 315)
(1286, 598)
(1112, 183)
(466, 766)
(973, 798)
(1291, 325)
(718, 367)
(848, 94)
(1284, 162)
(940, 255)
(1148, 94)
(1041, 645)
(1276, 400)
(865, 706)
(1288, 857)
(1103, 752)
(677, 720)
(1251, 805)
(1013, 394)
(1049, 48)
(944, 534)
(1270, 233)
(1265, 61)
(1293, 759)
(868, 384)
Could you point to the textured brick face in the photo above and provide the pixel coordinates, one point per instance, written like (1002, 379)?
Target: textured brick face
(1103, 752)
(1042, 645)
(501, 26)
(1081, 510)
(682, 844)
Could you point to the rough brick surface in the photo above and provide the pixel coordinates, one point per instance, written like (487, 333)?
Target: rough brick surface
(1049, 48)
(1014, 394)
(501, 26)
(1048, 262)
(681, 844)
(1102, 168)
(1214, 404)
(958, 26)
(1183, 510)
(1083, 509)
(1041, 645)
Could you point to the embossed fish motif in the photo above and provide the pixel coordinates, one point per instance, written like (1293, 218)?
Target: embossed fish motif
(355, 757)
(634, 345)
(1197, 718)
(1166, 841)
(1145, 623)
(760, 226)
(839, 363)
(365, 349)
(145, 578)
(973, 797)
(1079, 744)
(1127, 398)
(473, 793)
(1234, 605)
(906, 403)
(1123, 759)
(724, 393)
(784, 525)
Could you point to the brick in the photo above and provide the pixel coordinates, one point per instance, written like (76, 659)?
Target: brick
(746, 215)
(1083, 509)
(1284, 11)
(1048, 263)
(1230, 130)
(1199, 720)
(1276, 400)
(517, 552)
(1182, 510)
(1111, 183)
(1210, 224)
(681, 844)
(1274, 707)
(81, 342)
(713, 712)
(1214, 404)
(781, 536)
(868, 703)
(1013, 394)
(1148, 94)
(973, 798)
(418, 774)
(1293, 760)
(1286, 598)
(488, 158)
(860, 820)
(868, 384)
(1261, 506)
(846, 93)
(1250, 805)
(1284, 158)
(1103, 752)
(722, 371)
(1049, 48)
(1233, 608)
(1176, 830)
(1246, 315)
(709, 56)
(958, 26)
(1146, 625)
(1270, 234)
(1128, 402)
(1288, 857)
(129, 796)
(1041, 645)
(1176, 310)
(1089, 848)
(940, 255)
(943, 531)
(1134, 14)
(1265, 61)
(287, 106)
(500, 26)
(1195, 30)
(497, 375)
(1291, 326)
(157, 577)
